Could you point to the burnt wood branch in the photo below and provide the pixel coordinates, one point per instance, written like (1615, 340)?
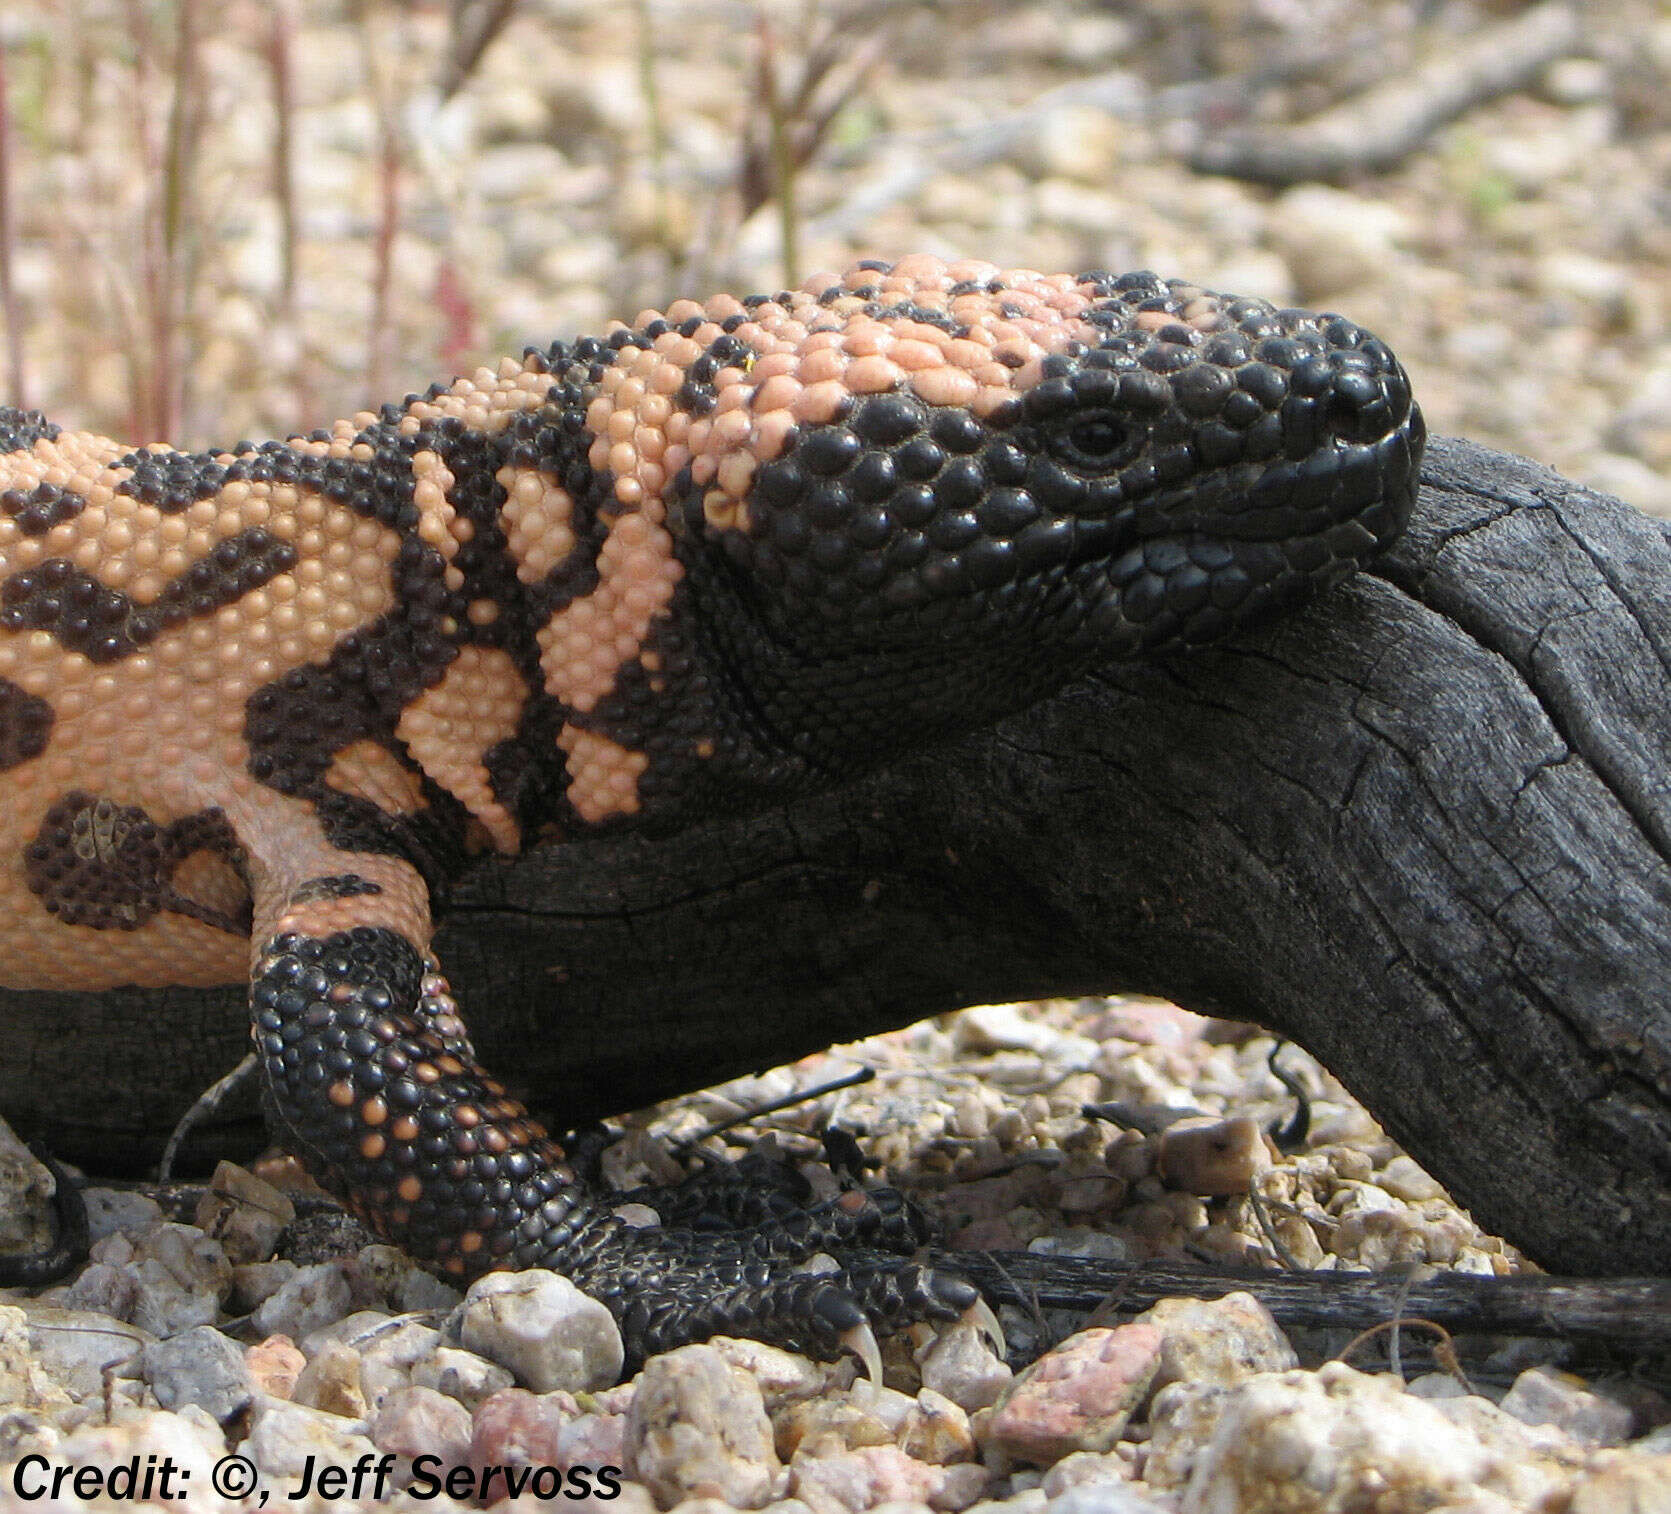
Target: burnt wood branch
(1630, 1312)
(1422, 828)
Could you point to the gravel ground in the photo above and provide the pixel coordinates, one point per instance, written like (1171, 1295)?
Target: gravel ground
(1519, 265)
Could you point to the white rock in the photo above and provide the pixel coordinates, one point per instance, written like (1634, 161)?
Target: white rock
(872, 1477)
(1224, 1340)
(698, 1428)
(1105, 1497)
(25, 1382)
(784, 1377)
(1626, 1482)
(76, 1347)
(461, 1374)
(1404, 1179)
(104, 1289)
(311, 1298)
(199, 1366)
(1334, 1440)
(183, 1276)
(388, 1347)
(1545, 1396)
(284, 1435)
(187, 1442)
(960, 1363)
(1003, 1027)
(119, 1211)
(543, 1329)
(254, 1283)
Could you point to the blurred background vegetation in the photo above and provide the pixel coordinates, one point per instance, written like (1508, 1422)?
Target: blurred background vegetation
(224, 218)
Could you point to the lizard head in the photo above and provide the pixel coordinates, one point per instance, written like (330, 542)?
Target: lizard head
(978, 483)
(917, 496)
(1120, 462)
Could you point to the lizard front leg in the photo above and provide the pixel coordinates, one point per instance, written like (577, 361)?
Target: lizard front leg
(369, 1078)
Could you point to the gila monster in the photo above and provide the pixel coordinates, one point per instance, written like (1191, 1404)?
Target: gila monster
(258, 705)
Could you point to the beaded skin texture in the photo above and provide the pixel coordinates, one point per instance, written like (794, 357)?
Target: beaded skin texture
(257, 705)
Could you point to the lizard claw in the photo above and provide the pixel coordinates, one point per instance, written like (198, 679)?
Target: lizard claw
(860, 1339)
(980, 1315)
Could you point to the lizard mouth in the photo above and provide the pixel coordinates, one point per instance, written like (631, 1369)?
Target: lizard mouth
(1242, 550)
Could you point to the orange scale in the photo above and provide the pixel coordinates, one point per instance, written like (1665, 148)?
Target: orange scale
(972, 347)
(821, 365)
(772, 432)
(771, 365)
(875, 374)
(945, 385)
(776, 392)
(731, 429)
(677, 349)
(736, 473)
(867, 339)
(914, 355)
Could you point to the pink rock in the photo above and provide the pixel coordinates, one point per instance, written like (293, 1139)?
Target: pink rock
(274, 1365)
(519, 1428)
(1148, 1023)
(421, 1422)
(861, 1479)
(1077, 1397)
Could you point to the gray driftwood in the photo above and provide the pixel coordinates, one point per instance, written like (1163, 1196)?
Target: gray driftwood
(1422, 828)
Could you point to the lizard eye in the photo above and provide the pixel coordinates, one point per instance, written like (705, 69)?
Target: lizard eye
(1093, 442)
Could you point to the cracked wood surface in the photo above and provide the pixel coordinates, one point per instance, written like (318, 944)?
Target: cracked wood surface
(1423, 828)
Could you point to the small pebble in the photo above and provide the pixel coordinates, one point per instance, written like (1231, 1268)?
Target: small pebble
(331, 1382)
(243, 1213)
(274, 1365)
(463, 1375)
(698, 1428)
(416, 1422)
(312, 1297)
(199, 1366)
(1224, 1340)
(1546, 1396)
(1213, 1158)
(1077, 1397)
(542, 1329)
